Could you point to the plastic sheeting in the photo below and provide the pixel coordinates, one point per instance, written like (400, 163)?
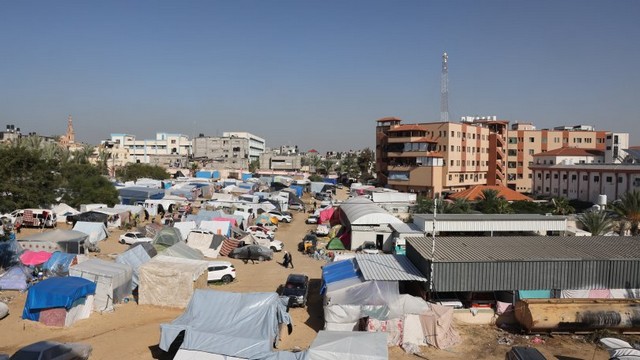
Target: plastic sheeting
(167, 237)
(96, 230)
(55, 292)
(9, 250)
(113, 281)
(217, 226)
(15, 278)
(182, 250)
(134, 257)
(243, 325)
(31, 258)
(185, 228)
(346, 345)
(205, 244)
(170, 281)
(59, 263)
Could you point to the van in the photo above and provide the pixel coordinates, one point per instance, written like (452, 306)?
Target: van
(35, 218)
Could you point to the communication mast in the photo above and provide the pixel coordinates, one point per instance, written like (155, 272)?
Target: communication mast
(444, 89)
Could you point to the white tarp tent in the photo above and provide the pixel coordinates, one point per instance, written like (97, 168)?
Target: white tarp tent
(216, 226)
(208, 244)
(185, 228)
(134, 257)
(96, 230)
(113, 281)
(348, 345)
(63, 210)
(170, 281)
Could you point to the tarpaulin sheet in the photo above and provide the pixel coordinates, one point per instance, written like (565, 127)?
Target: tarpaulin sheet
(15, 279)
(113, 281)
(337, 271)
(348, 345)
(134, 257)
(58, 264)
(56, 292)
(31, 258)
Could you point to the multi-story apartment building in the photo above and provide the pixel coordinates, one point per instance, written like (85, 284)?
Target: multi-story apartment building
(257, 145)
(437, 157)
(582, 174)
(168, 150)
(228, 152)
(273, 161)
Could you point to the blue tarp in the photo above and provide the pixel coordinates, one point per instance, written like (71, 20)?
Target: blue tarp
(58, 264)
(55, 293)
(339, 270)
(330, 180)
(9, 251)
(245, 185)
(215, 174)
(131, 195)
(246, 176)
(298, 188)
(534, 294)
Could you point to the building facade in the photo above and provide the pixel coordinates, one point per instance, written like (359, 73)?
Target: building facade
(257, 145)
(225, 152)
(273, 161)
(168, 150)
(582, 174)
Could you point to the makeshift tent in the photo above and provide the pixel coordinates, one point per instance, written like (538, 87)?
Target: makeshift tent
(59, 301)
(134, 194)
(242, 325)
(148, 248)
(9, 250)
(134, 257)
(217, 226)
(59, 263)
(348, 345)
(227, 246)
(326, 214)
(113, 281)
(33, 258)
(16, 278)
(208, 244)
(90, 216)
(116, 218)
(182, 250)
(335, 244)
(69, 241)
(170, 281)
(166, 237)
(96, 230)
(185, 228)
(433, 327)
(63, 210)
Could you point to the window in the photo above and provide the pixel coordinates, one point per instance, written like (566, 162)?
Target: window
(574, 177)
(555, 176)
(451, 163)
(620, 179)
(457, 162)
(596, 178)
(609, 179)
(513, 140)
(585, 177)
(546, 176)
(452, 148)
(450, 177)
(564, 176)
(512, 152)
(530, 151)
(531, 139)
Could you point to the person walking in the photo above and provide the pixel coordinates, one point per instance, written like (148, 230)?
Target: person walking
(285, 259)
(249, 257)
(290, 260)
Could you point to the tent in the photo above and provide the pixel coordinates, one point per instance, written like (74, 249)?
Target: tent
(167, 237)
(32, 258)
(208, 244)
(63, 210)
(185, 228)
(134, 257)
(242, 325)
(96, 230)
(148, 248)
(59, 301)
(217, 226)
(335, 244)
(182, 250)
(9, 250)
(59, 263)
(69, 241)
(16, 278)
(90, 216)
(227, 246)
(170, 281)
(348, 345)
(113, 281)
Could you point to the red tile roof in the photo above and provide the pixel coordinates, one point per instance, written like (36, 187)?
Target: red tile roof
(313, 151)
(475, 193)
(388, 118)
(571, 151)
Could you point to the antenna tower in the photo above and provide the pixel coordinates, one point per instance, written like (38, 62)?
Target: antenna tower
(444, 89)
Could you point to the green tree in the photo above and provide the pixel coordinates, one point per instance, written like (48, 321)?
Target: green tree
(627, 209)
(596, 222)
(527, 207)
(561, 206)
(365, 161)
(458, 206)
(327, 165)
(26, 180)
(254, 165)
(83, 184)
(493, 203)
(132, 172)
(423, 205)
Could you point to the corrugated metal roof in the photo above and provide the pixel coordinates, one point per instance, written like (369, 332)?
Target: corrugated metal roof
(370, 228)
(495, 222)
(527, 248)
(387, 267)
(361, 211)
(404, 228)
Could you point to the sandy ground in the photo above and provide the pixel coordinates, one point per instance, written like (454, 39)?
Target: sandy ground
(133, 331)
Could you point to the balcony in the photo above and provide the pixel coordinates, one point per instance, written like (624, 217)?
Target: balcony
(401, 167)
(500, 153)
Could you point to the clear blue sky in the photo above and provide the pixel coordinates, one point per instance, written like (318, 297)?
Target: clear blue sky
(314, 73)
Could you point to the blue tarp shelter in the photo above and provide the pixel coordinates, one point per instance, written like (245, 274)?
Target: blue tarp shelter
(132, 194)
(333, 181)
(56, 292)
(214, 175)
(246, 176)
(338, 271)
(298, 189)
(58, 264)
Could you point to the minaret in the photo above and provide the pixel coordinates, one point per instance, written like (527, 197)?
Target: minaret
(71, 135)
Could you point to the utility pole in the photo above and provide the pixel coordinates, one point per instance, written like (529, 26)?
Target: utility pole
(444, 89)
(433, 244)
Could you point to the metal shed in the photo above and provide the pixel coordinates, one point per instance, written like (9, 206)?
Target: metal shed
(491, 223)
(527, 263)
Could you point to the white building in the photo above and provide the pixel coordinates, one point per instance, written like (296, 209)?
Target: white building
(165, 149)
(257, 145)
(582, 174)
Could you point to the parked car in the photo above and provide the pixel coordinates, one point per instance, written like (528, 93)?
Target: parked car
(297, 207)
(524, 353)
(133, 237)
(312, 219)
(322, 230)
(297, 289)
(221, 271)
(281, 216)
(252, 252)
(255, 229)
(53, 350)
(368, 247)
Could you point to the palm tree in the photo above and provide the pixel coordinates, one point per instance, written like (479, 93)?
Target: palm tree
(627, 210)
(327, 165)
(562, 206)
(596, 222)
(492, 203)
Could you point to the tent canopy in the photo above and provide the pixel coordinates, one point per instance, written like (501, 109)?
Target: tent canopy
(56, 292)
(96, 230)
(134, 257)
(349, 345)
(242, 325)
(167, 237)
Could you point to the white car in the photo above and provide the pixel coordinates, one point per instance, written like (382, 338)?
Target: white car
(276, 245)
(221, 271)
(132, 237)
(253, 230)
(322, 230)
(280, 216)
